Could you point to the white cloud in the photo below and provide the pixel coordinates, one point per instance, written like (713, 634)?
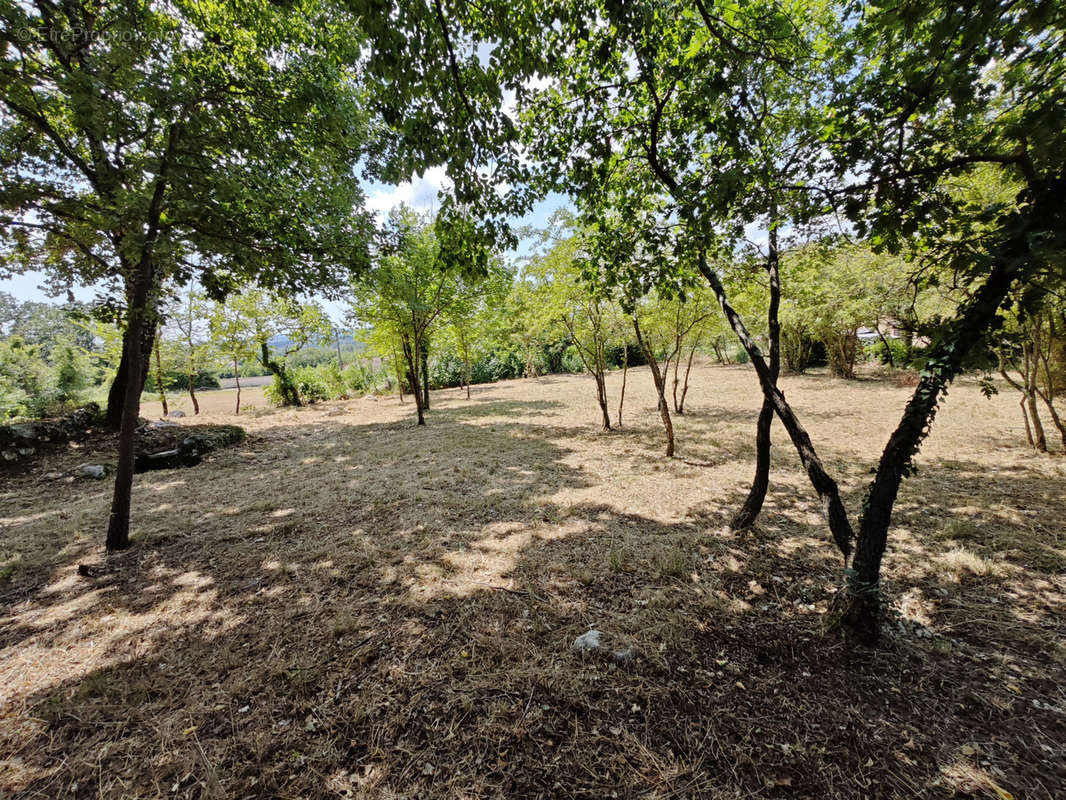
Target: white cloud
(420, 193)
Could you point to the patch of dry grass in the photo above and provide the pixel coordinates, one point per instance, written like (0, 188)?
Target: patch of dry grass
(349, 606)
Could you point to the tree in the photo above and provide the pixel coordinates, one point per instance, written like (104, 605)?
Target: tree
(626, 113)
(233, 331)
(190, 317)
(274, 326)
(568, 299)
(408, 292)
(149, 142)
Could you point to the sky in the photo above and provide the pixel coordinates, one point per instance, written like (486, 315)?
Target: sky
(420, 193)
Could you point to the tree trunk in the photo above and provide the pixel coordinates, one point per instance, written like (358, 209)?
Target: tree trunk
(116, 396)
(159, 378)
(468, 371)
(976, 319)
(749, 512)
(139, 319)
(192, 393)
(289, 394)
(688, 371)
(141, 304)
(825, 486)
(424, 359)
(601, 397)
(399, 374)
(237, 380)
(660, 388)
(412, 357)
(625, 369)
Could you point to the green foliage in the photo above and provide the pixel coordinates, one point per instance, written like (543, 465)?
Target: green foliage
(32, 386)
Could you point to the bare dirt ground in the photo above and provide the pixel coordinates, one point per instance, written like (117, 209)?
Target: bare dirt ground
(347, 606)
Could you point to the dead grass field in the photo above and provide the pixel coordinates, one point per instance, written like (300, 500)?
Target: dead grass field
(348, 606)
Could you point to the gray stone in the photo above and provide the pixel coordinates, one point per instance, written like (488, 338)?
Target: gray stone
(96, 471)
(588, 641)
(177, 412)
(626, 656)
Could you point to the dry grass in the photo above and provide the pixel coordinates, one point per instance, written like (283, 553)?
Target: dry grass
(348, 606)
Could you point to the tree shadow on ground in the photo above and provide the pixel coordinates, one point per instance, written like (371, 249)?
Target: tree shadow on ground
(336, 609)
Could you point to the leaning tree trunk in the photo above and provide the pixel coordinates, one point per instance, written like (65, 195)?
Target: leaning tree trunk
(290, 396)
(625, 369)
(861, 593)
(660, 388)
(116, 396)
(825, 486)
(749, 512)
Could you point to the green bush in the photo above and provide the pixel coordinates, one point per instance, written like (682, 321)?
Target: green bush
(31, 386)
(571, 361)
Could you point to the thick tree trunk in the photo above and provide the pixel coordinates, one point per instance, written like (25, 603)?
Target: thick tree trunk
(140, 317)
(625, 369)
(411, 354)
(977, 317)
(660, 388)
(749, 512)
(825, 486)
(141, 304)
(159, 378)
(116, 395)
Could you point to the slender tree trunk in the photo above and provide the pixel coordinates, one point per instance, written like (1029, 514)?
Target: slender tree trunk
(192, 393)
(888, 349)
(825, 486)
(468, 371)
(159, 378)
(678, 406)
(399, 373)
(340, 359)
(1030, 397)
(749, 512)
(688, 371)
(237, 380)
(976, 319)
(424, 359)
(625, 369)
(660, 388)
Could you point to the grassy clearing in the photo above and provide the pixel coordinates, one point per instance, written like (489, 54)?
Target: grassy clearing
(347, 606)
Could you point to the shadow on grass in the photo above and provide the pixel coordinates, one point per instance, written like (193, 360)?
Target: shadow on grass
(337, 609)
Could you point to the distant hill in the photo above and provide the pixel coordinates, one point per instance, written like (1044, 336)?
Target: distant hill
(347, 341)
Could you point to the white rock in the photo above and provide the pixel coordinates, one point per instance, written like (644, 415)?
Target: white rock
(96, 471)
(588, 641)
